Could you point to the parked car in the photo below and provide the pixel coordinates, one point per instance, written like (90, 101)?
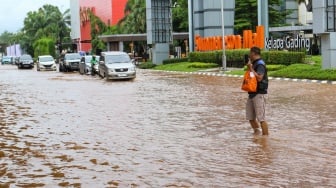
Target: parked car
(25, 61)
(70, 62)
(6, 60)
(85, 64)
(16, 60)
(46, 62)
(116, 65)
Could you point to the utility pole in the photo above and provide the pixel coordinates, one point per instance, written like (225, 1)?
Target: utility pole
(223, 35)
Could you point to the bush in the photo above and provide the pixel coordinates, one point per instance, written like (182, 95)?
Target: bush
(147, 65)
(175, 60)
(235, 58)
(272, 67)
(200, 65)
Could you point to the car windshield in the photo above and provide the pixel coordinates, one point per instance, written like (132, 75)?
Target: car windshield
(110, 59)
(46, 58)
(26, 57)
(72, 56)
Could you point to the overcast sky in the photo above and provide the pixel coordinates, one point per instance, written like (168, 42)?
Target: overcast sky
(13, 12)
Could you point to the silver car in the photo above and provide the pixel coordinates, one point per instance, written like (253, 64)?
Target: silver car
(46, 62)
(116, 65)
(85, 64)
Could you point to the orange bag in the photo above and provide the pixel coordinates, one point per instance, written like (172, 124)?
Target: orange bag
(249, 82)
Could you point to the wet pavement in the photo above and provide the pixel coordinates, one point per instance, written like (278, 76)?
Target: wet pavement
(161, 130)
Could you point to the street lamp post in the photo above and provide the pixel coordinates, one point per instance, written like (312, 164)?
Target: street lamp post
(223, 40)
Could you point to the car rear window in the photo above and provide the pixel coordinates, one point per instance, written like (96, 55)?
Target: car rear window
(72, 56)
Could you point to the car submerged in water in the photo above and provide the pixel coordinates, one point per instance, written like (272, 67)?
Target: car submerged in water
(116, 65)
(85, 64)
(25, 61)
(70, 62)
(46, 62)
(6, 60)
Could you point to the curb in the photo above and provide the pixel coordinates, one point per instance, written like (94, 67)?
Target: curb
(240, 76)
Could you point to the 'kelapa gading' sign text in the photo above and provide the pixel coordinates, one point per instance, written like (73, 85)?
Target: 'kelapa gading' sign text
(287, 43)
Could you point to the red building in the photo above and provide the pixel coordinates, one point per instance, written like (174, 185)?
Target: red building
(109, 11)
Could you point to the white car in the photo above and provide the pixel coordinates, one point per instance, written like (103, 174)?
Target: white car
(116, 65)
(46, 62)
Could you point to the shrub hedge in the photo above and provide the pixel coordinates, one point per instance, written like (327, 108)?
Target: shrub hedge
(147, 65)
(235, 58)
(174, 60)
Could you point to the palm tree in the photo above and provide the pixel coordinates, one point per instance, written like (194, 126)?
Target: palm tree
(134, 20)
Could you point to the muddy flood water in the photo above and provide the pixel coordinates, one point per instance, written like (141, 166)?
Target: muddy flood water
(161, 130)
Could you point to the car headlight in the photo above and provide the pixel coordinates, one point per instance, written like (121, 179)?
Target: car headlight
(111, 70)
(132, 69)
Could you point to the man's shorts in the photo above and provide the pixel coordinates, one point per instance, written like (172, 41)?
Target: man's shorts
(256, 108)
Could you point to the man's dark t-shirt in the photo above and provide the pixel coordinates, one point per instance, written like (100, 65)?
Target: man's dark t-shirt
(260, 68)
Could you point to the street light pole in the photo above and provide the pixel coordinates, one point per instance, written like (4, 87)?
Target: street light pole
(223, 40)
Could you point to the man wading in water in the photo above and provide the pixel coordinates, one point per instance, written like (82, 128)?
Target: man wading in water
(256, 102)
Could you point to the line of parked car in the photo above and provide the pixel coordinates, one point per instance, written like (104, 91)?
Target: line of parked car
(109, 65)
(44, 62)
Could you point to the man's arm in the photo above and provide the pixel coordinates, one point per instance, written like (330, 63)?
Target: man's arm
(258, 75)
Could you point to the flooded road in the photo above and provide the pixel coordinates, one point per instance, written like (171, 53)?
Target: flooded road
(161, 130)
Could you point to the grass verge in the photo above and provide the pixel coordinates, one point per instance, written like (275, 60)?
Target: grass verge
(301, 71)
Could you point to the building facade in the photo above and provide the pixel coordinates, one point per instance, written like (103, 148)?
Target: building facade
(109, 11)
(205, 19)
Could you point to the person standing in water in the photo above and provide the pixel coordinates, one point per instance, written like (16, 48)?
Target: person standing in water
(256, 102)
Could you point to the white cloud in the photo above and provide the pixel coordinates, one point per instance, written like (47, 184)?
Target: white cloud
(13, 12)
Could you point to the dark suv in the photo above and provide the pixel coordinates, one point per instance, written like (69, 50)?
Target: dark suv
(69, 62)
(25, 61)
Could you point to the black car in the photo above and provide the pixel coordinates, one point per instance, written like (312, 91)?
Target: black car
(25, 61)
(69, 62)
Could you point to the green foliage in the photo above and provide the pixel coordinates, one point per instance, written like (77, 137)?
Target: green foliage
(246, 14)
(201, 65)
(134, 20)
(44, 46)
(184, 67)
(271, 68)
(98, 27)
(180, 16)
(235, 58)
(175, 60)
(48, 22)
(147, 65)
(305, 71)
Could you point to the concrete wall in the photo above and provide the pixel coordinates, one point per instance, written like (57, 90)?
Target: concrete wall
(75, 21)
(327, 38)
(207, 17)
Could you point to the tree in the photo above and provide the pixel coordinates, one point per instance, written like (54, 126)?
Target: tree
(180, 16)
(6, 39)
(47, 22)
(44, 46)
(98, 27)
(134, 20)
(246, 14)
